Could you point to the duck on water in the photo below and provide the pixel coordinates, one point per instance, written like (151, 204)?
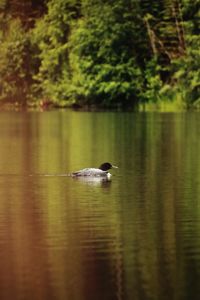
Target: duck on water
(102, 171)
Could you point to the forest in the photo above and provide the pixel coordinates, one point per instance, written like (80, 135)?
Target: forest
(105, 54)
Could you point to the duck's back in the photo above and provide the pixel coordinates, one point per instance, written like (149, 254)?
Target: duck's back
(90, 172)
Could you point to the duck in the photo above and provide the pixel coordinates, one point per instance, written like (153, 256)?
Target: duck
(102, 171)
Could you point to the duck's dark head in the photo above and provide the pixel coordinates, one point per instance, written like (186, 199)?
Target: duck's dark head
(106, 166)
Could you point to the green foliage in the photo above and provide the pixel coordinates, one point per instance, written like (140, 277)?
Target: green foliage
(106, 67)
(50, 38)
(113, 53)
(14, 63)
(153, 83)
(186, 71)
(187, 74)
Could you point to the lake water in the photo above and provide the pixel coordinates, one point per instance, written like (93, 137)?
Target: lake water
(135, 237)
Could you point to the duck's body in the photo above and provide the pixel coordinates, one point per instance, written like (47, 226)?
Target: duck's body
(102, 171)
(90, 172)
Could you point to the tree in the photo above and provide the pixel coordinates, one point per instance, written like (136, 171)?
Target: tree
(50, 38)
(186, 71)
(14, 63)
(27, 11)
(104, 47)
(164, 25)
(111, 53)
(16, 53)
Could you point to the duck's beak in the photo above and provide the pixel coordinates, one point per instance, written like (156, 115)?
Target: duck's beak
(115, 167)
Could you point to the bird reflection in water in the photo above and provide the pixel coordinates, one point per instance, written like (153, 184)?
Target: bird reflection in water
(94, 181)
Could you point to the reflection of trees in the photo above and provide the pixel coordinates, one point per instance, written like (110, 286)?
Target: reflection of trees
(159, 221)
(60, 246)
(137, 237)
(101, 244)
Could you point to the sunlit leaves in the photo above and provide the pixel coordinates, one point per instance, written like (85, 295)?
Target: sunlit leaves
(105, 53)
(51, 36)
(106, 49)
(14, 66)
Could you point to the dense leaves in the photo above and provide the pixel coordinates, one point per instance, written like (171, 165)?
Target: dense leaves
(15, 70)
(50, 38)
(102, 53)
(108, 73)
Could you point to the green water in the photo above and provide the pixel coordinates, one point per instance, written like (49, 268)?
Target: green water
(134, 237)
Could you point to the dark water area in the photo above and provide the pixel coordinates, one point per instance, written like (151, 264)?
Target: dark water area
(136, 236)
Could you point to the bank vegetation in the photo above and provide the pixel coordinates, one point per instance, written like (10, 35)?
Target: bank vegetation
(125, 54)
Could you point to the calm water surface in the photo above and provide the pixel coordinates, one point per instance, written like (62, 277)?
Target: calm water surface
(134, 237)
